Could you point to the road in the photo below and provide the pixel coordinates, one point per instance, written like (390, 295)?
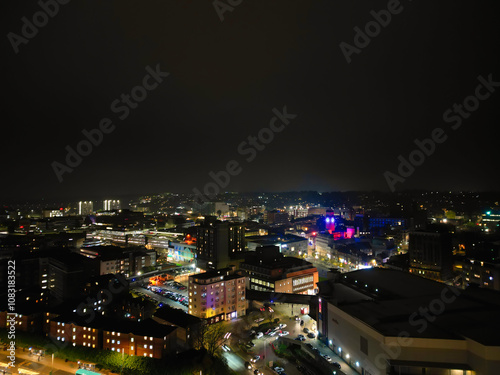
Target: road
(263, 348)
(30, 365)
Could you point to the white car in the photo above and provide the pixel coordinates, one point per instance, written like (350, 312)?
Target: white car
(272, 333)
(282, 326)
(279, 369)
(326, 357)
(284, 333)
(255, 358)
(259, 335)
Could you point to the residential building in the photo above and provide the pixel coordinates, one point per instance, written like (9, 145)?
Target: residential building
(110, 205)
(431, 252)
(217, 295)
(85, 208)
(218, 243)
(187, 325)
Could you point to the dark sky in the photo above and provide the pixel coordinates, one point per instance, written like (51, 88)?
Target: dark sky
(353, 120)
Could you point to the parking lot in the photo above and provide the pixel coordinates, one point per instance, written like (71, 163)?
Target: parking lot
(170, 293)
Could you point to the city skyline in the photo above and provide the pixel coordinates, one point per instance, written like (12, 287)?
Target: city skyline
(236, 187)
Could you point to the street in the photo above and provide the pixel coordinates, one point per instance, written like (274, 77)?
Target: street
(238, 356)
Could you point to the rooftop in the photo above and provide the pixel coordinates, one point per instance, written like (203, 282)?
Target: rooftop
(392, 302)
(177, 317)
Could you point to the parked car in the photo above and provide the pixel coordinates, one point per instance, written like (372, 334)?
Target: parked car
(251, 343)
(272, 333)
(306, 330)
(278, 369)
(248, 365)
(259, 335)
(326, 357)
(309, 345)
(257, 372)
(255, 358)
(282, 326)
(337, 365)
(311, 335)
(284, 333)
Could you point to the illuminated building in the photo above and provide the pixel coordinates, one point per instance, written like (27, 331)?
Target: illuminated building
(431, 252)
(268, 270)
(288, 244)
(391, 322)
(146, 339)
(110, 205)
(217, 295)
(85, 208)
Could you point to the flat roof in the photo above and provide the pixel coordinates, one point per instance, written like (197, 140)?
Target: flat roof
(225, 272)
(392, 301)
(176, 317)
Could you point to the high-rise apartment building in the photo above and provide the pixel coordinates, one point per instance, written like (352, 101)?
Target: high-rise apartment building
(110, 205)
(431, 252)
(85, 208)
(218, 243)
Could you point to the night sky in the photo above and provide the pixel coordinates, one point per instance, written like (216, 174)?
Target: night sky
(353, 119)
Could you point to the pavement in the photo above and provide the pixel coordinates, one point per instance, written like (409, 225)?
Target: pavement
(164, 300)
(27, 364)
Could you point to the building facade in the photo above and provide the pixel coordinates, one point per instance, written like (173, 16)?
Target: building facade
(217, 295)
(218, 243)
(269, 271)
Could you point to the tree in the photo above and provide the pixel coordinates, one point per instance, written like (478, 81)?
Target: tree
(210, 336)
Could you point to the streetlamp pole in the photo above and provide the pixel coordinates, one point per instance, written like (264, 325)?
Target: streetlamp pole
(123, 361)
